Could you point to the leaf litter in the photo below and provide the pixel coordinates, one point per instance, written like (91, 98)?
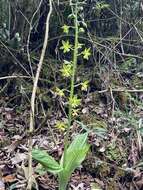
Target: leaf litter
(114, 161)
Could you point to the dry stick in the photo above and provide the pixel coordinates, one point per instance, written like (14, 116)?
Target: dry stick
(29, 35)
(139, 137)
(142, 6)
(139, 34)
(13, 77)
(120, 28)
(32, 112)
(121, 90)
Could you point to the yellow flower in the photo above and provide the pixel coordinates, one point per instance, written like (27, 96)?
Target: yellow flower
(60, 92)
(86, 53)
(61, 125)
(74, 101)
(65, 28)
(84, 85)
(81, 30)
(66, 70)
(75, 112)
(66, 46)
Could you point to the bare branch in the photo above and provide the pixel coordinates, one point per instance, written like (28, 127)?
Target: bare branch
(33, 96)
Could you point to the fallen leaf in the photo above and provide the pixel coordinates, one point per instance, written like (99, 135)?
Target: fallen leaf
(80, 186)
(9, 178)
(19, 157)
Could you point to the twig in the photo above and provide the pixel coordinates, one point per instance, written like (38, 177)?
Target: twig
(29, 35)
(139, 138)
(121, 90)
(113, 102)
(22, 77)
(33, 96)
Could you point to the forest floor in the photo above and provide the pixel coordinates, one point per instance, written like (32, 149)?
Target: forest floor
(115, 161)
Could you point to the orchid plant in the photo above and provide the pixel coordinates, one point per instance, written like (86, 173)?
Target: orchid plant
(74, 152)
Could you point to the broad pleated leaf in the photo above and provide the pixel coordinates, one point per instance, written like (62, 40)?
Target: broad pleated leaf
(46, 161)
(75, 155)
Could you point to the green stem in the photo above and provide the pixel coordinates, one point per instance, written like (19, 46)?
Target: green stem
(63, 183)
(75, 56)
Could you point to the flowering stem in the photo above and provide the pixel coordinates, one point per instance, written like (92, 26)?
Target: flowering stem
(75, 56)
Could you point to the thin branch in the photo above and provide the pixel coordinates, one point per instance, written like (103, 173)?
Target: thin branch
(33, 96)
(28, 39)
(23, 77)
(121, 90)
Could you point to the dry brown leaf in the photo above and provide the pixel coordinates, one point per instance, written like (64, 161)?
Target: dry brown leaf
(9, 178)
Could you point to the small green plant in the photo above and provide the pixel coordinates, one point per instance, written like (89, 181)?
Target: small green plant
(75, 152)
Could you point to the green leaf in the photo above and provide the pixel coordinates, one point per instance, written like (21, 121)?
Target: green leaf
(99, 131)
(74, 156)
(47, 161)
